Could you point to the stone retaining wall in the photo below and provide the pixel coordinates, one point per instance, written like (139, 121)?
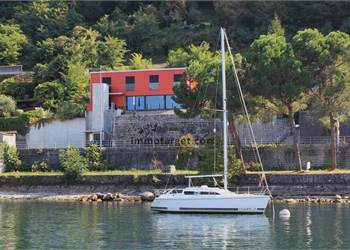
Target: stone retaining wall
(281, 157)
(282, 186)
(160, 180)
(137, 157)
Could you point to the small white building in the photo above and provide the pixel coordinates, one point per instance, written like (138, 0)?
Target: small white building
(9, 137)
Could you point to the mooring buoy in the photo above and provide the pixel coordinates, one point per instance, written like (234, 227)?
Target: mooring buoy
(284, 213)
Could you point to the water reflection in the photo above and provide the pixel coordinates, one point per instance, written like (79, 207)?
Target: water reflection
(40, 225)
(202, 231)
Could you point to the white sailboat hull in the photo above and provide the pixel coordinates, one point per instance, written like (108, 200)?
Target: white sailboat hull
(236, 203)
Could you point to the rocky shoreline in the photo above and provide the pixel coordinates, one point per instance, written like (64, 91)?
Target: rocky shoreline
(95, 197)
(118, 197)
(149, 197)
(321, 200)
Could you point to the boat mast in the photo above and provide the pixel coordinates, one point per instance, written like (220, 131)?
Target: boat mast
(224, 120)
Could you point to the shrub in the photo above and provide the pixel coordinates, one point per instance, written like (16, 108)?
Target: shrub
(323, 167)
(42, 166)
(73, 163)
(206, 161)
(16, 88)
(11, 159)
(70, 110)
(93, 155)
(254, 166)
(22, 122)
(187, 148)
(7, 105)
(2, 149)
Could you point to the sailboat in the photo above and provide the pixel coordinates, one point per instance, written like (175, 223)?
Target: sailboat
(206, 199)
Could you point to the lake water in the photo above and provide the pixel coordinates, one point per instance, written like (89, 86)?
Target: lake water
(48, 225)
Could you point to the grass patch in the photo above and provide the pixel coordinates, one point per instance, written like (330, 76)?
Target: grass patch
(138, 172)
(111, 172)
(337, 171)
(31, 174)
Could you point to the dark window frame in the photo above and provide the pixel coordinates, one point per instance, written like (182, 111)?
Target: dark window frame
(190, 193)
(177, 78)
(153, 82)
(107, 80)
(130, 83)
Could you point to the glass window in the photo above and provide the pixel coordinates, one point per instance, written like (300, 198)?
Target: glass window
(177, 79)
(153, 82)
(130, 103)
(135, 103)
(189, 193)
(130, 83)
(154, 78)
(170, 103)
(208, 193)
(96, 137)
(155, 102)
(176, 191)
(107, 80)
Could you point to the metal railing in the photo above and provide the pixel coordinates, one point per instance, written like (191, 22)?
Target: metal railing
(308, 140)
(11, 70)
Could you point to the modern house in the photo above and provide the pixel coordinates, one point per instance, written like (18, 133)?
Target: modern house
(113, 92)
(146, 89)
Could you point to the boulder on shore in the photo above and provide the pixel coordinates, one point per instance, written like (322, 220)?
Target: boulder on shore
(147, 196)
(107, 197)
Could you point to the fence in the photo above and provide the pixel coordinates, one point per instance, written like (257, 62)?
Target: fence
(11, 70)
(307, 140)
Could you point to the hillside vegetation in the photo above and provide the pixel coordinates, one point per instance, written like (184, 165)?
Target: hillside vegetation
(289, 55)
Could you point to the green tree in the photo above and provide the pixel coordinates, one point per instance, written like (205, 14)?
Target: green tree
(81, 47)
(134, 27)
(200, 90)
(199, 86)
(112, 52)
(45, 51)
(17, 88)
(276, 27)
(76, 82)
(138, 62)
(54, 70)
(277, 75)
(12, 41)
(69, 110)
(7, 105)
(43, 19)
(327, 58)
(50, 94)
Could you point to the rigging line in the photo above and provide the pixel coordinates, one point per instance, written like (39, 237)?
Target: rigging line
(215, 110)
(240, 155)
(246, 113)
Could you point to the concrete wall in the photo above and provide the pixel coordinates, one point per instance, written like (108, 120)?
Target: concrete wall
(57, 134)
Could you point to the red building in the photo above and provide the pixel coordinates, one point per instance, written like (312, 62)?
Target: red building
(146, 89)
